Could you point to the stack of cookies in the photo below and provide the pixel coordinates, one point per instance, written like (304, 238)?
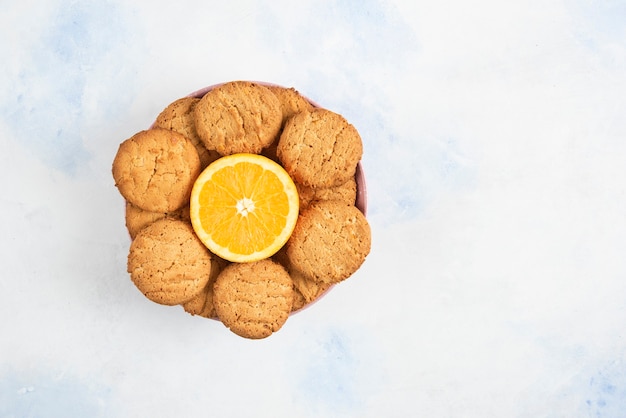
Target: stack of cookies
(155, 169)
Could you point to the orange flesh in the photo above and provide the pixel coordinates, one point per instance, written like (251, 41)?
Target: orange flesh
(244, 208)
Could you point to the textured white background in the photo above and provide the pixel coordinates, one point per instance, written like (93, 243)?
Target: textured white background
(495, 156)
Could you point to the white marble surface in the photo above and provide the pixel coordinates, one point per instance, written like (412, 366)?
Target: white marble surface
(495, 154)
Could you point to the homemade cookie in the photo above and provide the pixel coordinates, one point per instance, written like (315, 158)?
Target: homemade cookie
(291, 101)
(319, 148)
(202, 303)
(305, 289)
(137, 218)
(155, 170)
(237, 117)
(253, 299)
(344, 192)
(298, 301)
(330, 241)
(168, 263)
(178, 116)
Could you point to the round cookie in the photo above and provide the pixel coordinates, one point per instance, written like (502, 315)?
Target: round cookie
(202, 303)
(319, 148)
(155, 170)
(178, 116)
(253, 299)
(137, 218)
(344, 192)
(305, 289)
(291, 101)
(168, 263)
(238, 117)
(298, 301)
(330, 241)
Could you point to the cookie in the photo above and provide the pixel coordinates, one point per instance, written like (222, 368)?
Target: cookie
(319, 148)
(330, 241)
(137, 218)
(305, 289)
(344, 192)
(168, 263)
(253, 299)
(291, 101)
(238, 117)
(178, 117)
(298, 301)
(155, 170)
(202, 303)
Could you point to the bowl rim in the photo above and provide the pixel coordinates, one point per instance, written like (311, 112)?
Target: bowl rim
(361, 188)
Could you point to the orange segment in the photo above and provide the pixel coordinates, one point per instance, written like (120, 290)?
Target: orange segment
(244, 207)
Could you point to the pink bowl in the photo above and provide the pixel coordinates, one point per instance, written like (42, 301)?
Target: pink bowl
(361, 190)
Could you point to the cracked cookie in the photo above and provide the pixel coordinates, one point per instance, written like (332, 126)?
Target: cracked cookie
(330, 241)
(319, 148)
(137, 218)
(253, 299)
(155, 170)
(344, 192)
(306, 290)
(202, 303)
(168, 263)
(291, 103)
(178, 116)
(238, 117)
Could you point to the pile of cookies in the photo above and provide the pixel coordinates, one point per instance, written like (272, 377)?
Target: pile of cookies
(155, 169)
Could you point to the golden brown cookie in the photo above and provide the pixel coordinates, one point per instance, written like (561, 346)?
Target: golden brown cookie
(137, 218)
(344, 192)
(168, 263)
(319, 148)
(178, 117)
(298, 301)
(237, 117)
(330, 241)
(291, 101)
(155, 170)
(202, 303)
(253, 299)
(306, 290)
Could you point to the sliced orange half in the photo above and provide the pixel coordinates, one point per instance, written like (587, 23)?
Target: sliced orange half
(244, 207)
